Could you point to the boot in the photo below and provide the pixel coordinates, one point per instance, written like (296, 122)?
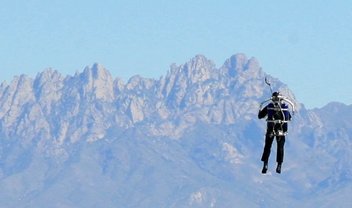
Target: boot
(278, 168)
(265, 167)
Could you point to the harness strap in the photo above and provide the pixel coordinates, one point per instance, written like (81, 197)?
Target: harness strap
(278, 133)
(276, 121)
(278, 109)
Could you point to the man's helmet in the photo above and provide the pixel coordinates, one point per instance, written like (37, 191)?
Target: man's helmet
(275, 97)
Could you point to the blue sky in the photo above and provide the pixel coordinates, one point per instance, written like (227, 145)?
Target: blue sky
(306, 44)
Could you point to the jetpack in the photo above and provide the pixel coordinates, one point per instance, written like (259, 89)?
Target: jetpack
(280, 97)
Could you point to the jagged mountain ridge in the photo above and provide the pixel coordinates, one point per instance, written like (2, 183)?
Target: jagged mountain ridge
(187, 89)
(189, 139)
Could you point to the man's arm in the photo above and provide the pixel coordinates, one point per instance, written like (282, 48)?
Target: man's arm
(262, 113)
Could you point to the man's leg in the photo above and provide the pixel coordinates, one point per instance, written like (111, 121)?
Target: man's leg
(269, 137)
(280, 152)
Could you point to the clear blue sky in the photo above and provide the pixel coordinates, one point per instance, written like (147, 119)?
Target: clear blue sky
(307, 44)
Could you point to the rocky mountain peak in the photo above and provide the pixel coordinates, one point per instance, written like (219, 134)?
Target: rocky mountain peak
(199, 64)
(199, 61)
(22, 87)
(198, 69)
(48, 83)
(96, 72)
(98, 80)
(235, 64)
(48, 74)
(239, 64)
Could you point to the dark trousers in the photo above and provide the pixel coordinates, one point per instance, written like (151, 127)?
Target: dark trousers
(269, 137)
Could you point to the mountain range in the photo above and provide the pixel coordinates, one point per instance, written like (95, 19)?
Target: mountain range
(188, 139)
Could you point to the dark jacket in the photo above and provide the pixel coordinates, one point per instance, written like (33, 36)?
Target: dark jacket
(276, 116)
